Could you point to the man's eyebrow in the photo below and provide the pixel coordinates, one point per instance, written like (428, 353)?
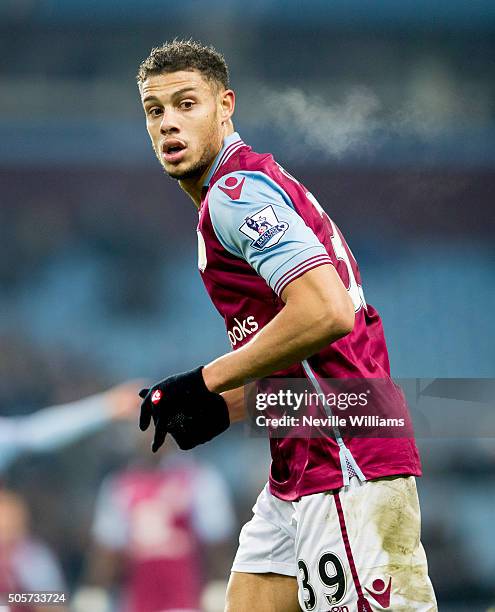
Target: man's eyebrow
(183, 91)
(176, 94)
(149, 99)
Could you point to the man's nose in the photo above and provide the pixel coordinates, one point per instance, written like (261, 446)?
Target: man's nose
(168, 122)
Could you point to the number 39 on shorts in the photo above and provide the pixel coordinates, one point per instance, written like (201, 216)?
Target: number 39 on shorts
(331, 574)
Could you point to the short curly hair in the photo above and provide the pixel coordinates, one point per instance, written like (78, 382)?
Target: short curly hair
(185, 55)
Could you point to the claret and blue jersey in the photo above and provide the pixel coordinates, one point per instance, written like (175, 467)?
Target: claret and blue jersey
(259, 229)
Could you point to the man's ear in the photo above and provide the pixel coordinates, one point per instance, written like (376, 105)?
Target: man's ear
(227, 104)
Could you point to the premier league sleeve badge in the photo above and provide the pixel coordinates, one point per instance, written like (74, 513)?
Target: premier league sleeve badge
(264, 229)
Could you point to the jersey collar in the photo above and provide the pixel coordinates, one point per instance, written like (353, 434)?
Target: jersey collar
(231, 143)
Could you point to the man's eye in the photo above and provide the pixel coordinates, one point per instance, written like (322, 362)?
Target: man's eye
(154, 111)
(186, 104)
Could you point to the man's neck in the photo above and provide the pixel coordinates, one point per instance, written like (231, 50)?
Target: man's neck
(194, 186)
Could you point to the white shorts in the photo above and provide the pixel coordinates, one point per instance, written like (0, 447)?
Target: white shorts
(355, 548)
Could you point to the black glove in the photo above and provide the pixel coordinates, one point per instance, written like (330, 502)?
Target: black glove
(183, 406)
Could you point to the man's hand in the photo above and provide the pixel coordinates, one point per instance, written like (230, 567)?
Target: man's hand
(183, 406)
(122, 402)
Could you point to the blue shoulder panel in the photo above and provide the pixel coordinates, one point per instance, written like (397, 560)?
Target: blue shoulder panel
(254, 218)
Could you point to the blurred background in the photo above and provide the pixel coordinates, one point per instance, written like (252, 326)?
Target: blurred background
(385, 110)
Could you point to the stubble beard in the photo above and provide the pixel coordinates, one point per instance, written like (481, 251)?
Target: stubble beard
(197, 168)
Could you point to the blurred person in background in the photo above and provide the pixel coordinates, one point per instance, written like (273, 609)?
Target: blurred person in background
(161, 537)
(54, 427)
(26, 564)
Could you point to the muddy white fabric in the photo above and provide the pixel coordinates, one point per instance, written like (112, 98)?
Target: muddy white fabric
(305, 539)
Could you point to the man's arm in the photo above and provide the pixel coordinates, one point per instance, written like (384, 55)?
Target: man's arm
(317, 311)
(54, 427)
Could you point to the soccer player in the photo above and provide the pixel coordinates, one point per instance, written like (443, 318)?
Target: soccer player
(338, 525)
(160, 532)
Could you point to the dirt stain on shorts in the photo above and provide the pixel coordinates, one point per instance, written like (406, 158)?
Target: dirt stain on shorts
(396, 516)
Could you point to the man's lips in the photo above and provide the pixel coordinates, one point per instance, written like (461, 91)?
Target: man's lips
(173, 150)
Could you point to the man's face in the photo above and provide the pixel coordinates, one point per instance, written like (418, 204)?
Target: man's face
(183, 119)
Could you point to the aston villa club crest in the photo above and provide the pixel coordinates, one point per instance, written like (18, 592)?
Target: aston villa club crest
(264, 229)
